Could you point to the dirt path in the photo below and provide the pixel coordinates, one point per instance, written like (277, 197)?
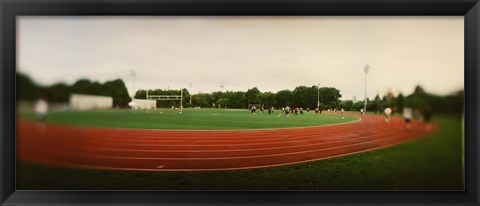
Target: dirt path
(167, 150)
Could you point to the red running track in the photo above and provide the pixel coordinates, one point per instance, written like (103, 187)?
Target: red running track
(204, 150)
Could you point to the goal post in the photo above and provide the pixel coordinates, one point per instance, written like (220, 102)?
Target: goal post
(168, 98)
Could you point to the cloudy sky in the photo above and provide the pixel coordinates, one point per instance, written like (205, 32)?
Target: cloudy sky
(271, 53)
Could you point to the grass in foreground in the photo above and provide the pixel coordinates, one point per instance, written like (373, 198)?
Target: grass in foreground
(430, 163)
(201, 119)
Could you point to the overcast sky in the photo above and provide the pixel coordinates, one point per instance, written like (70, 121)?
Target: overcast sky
(271, 53)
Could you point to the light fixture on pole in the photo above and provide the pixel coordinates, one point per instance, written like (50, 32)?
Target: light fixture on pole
(365, 100)
(354, 99)
(190, 85)
(133, 74)
(318, 96)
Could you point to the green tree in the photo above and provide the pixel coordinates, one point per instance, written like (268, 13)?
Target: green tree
(217, 95)
(453, 103)
(418, 90)
(389, 100)
(284, 98)
(82, 86)
(27, 89)
(330, 97)
(140, 94)
(400, 103)
(421, 99)
(347, 105)
(117, 90)
(59, 92)
(358, 105)
(237, 99)
(322, 107)
(378, 104)
(186, 97)
(202, 100)
(267, 99)
(305, 96)
(223, 102)
(384, 102)
(252, 95)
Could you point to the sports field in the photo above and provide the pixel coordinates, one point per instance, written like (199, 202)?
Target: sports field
(190, 119)
(369, 154)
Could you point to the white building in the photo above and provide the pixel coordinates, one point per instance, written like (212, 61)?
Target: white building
(145, 104)
(85, 102)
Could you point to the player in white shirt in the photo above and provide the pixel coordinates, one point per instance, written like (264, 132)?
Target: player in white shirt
(407, 115)
(387, 113)
(41, 109)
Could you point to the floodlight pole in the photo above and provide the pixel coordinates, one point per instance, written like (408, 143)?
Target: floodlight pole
(132, 73)
(353, 102)
(318, 95)
(181, 101)
(365, 99)
(190, 94)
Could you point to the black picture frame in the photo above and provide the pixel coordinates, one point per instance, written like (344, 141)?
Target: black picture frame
(9, 9)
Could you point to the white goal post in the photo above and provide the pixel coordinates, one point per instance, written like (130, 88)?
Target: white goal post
(168, 97)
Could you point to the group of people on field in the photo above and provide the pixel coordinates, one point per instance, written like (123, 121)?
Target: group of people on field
(253, 109)
(285, 110)
(424, 115)
(295, 111)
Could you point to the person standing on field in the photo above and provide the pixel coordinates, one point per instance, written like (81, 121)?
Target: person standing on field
(254, 109)
(407, 115)
(427, 116)
(41, 109)
(387, 113)
(287, 111)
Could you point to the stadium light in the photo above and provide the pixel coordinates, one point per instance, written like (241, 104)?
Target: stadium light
(133, 74)
(190, 94)
(318, 95)
(354, 99)
(365, 99)
(190, 84)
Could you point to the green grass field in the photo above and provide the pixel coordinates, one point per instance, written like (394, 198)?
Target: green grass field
(431, 163)
(201, 119)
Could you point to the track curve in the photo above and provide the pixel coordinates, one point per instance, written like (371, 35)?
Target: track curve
(204, 150)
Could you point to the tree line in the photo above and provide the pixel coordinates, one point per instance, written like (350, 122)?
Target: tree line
(29, 90)
(301, 96)
(306, 97)
(421, 99)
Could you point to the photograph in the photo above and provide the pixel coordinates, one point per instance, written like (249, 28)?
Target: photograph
(240, 103)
